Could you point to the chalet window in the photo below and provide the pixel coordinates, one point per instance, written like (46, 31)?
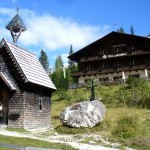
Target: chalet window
(117, 78)
(40, 102)
(88, 67)
(104, 79)
(132, 62)
(103, 65)
(101, 52)
(146, 46)
(134, 76)
(147, 61)
(117, 64)
(131, 48)
(116, 50)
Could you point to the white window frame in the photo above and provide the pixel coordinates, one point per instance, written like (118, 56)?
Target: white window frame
(88, 67)
(132, 62)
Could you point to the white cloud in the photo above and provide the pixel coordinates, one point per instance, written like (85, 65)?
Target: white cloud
(53, 32)
(56, 33)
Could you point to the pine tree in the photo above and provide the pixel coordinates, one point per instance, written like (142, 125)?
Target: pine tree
(71, 67)
(57, 76)
(121, 30)
(132, 30)
(58, 63)
(44, 60)
(71, 63)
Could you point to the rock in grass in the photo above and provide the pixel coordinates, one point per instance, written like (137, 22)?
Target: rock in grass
(83, 114)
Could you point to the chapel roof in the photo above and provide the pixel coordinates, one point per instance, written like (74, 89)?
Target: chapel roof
(8, 80)
(15, 22)
(28, 65)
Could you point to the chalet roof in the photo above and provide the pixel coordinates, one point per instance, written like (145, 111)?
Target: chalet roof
(109, 37)
(8, 80)
(28, 65)
(16, 21)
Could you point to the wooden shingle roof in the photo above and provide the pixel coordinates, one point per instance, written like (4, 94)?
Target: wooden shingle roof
(16, 21)
(8, 80)
(28, 65)
(107, 39)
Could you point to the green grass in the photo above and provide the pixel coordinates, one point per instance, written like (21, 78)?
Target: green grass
(4, 148)
(20, 130)
(27, 142)
(129, 126)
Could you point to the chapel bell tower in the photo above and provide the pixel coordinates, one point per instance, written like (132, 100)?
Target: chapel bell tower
(16, 26)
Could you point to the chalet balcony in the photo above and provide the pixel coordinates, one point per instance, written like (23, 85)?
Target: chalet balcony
(109, 70)
(123, 54)
(86, 59)
(83, 73)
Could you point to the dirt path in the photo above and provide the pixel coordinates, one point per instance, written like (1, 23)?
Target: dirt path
(81, 142)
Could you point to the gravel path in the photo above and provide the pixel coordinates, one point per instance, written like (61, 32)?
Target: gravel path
(75, 141)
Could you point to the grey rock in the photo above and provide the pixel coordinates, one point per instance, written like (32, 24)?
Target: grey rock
(83, 114)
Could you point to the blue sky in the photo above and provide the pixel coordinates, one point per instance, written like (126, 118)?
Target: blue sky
(56, 24)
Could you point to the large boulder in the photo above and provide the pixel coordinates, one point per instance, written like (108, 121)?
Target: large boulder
(83, 114)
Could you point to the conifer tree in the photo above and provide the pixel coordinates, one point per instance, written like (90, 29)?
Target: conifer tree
(71, 63)
(132, 30)
(71, 67)
(58, 63)
(57, 76)
(121, 30)
(44, 60)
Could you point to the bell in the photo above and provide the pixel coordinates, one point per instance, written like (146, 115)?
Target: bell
(16, 29)
(16, 26)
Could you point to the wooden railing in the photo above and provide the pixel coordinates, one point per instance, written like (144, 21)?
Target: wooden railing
(128, 53)
(85, 59)
(108, 70)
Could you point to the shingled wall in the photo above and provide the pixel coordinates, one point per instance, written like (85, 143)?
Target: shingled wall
(16, 109)
(37, 111)
(26, 109)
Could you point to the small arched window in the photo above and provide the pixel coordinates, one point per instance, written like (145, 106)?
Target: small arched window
(40, 102)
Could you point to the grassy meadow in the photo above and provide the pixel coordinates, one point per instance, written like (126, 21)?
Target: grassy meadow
(28, 142)
(125, 122)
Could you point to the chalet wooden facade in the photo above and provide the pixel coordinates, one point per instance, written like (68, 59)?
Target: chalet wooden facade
(114, 57)
(25, 89)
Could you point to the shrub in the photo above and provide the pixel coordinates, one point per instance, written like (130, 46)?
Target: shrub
(70, 130)
(127, 126)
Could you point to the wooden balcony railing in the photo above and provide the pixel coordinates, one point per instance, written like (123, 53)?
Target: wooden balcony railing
(85, 59)
(129, 53)
(108, 70)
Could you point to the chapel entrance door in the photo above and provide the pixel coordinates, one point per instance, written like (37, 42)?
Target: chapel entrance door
(4, 102)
